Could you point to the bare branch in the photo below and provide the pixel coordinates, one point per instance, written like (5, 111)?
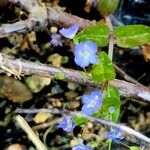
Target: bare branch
(128, 130)
(39, 17)
(63, 19)
(126, 76)
(126, 89)
(31, 135)
(111, 38)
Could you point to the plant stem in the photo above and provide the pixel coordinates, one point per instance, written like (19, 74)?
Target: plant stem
(109, 146)
(111, 37)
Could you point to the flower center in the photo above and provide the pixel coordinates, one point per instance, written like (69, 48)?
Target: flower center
(69, 124)
(92, 103)
(85, 54)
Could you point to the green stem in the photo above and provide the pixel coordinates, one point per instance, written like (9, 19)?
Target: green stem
(109, 148)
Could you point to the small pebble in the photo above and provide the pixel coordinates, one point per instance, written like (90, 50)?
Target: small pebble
(55, 59)
(53, 29)
(90, 125)
(73, 143)
(15, 147)
(70, 95)
(73, 105)
(72, 86)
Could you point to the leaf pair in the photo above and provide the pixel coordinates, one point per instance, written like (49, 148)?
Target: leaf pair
(126, 36)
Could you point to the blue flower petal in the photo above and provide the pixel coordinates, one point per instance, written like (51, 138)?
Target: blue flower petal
(91, 47)
(81, 61)
(56, 40)
(85, 53)
(115, 135)
(67, 124)
(78, 50)
(81, 146)
(88, 110)
(86, 99)
(93, 59)
(96, 95)
(70, 32)
(70, 125)
(111, 109)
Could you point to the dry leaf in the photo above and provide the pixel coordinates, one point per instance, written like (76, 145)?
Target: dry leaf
(146, 52)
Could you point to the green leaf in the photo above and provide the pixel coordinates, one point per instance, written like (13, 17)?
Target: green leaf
(59, 76)
(97, 33)
(79, 120)
(134, 148)
(104, 70)
(132, 35)
(111, 98)
(107, 6)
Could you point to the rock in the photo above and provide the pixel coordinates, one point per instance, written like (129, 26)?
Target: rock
(72, 86)
(55, 102)
(15, 147)
(73, 105)
(71, 95)
(14, 90)
(41, 117)
(57, 89)
(55, 59)
(36, 83)
(53, 29)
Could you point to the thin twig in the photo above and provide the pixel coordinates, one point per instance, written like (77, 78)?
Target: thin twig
(31, 135)
(111, 37)
(46, 124)
(39, 17)
(128, 130)
(126, 76)
(126, 89)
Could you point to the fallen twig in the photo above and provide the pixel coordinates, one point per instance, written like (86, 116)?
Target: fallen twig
(46, 124)
(39, 17)
(126, 129)
(126, 89)
(31, 135)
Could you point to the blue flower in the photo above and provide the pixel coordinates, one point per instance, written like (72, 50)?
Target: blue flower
(115, 135)
(111, 109)
(91, 102)
(81, 146)
(67, 124)
(85, 54)
(70, 32)
(56, 40)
